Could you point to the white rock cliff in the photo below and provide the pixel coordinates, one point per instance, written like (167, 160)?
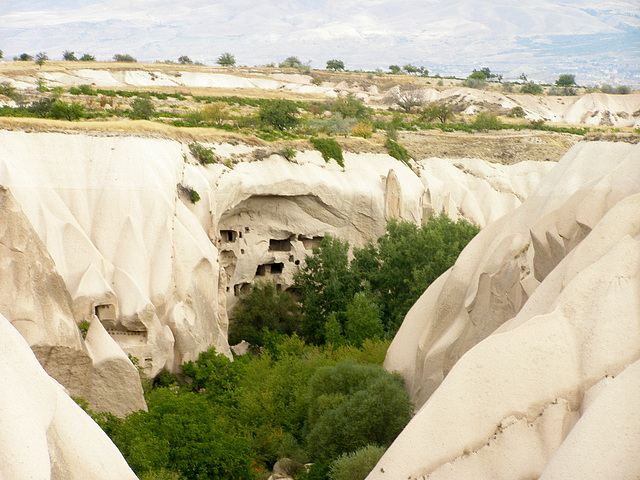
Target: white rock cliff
(524, 357)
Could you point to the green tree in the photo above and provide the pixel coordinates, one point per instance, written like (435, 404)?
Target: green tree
(87, 58)
(566, 80)
(24, 57)
(395, 69)
(325, 285)
(352, 406)
(1, 54)
(142, 109)
(183, 59)
(335, 65)
(433, 111)
(123, 57)
(41, 58)
(280, 114)
(69, 56)
(261, 310)
(407, 259)
(363, 319)
(226, 59)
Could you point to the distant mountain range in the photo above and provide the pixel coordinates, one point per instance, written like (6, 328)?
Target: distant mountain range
(598, 41)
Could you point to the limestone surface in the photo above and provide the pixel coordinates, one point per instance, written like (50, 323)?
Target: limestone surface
(34, 298)
(44, 434)
(523, 357)
(160, 272)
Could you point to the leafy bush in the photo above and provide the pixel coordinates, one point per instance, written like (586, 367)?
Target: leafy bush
(280, 114)
(288, 153)
(517, 112)
(183, 433)
(487, 121)
(396, 150)
(531, 88)
(334, 124)
(329, 149)
(262, 310)
(66, 111)
(188, 192)
(478, 83)
(356, 465)
(142, 109)
(349, 107)
(8, 90)
(69, 56)
(352, 406)
(362, 129)
(87, 58)
(214, 112)
(202, 154)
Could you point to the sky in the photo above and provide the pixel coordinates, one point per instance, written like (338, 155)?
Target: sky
(596, 40)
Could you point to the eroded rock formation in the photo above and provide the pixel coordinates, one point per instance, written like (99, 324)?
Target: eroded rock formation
(524, 356)
(160, 272)
(44, 433)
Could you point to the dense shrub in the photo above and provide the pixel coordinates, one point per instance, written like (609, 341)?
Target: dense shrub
(66, 111)
(8, 90)
(362, 129)
(356, 465)
(202, 154)
(349, 107)
(396, 150)
(531, 88)
(329, 149)
(478, 83)
(334, 124)
(487, 121)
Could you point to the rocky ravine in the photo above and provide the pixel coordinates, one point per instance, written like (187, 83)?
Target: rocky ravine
(525, 356)
(99, 225)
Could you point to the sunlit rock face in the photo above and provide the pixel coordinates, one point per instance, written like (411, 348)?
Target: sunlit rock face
(127, 247)
(44, 434)
(34, 297)
(523, 358)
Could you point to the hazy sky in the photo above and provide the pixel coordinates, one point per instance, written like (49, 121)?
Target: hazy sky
(594, 39)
